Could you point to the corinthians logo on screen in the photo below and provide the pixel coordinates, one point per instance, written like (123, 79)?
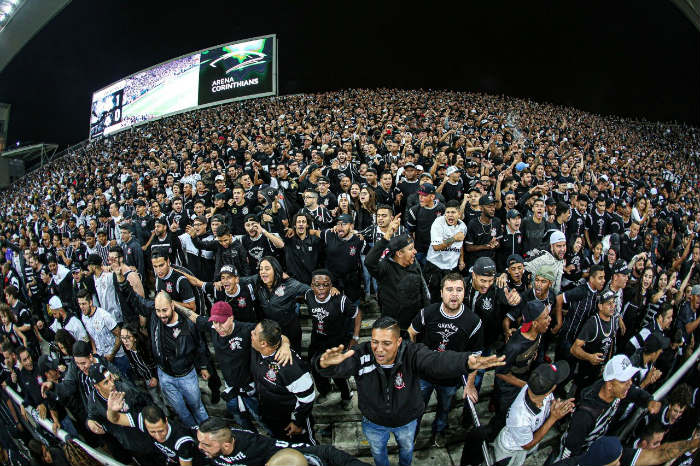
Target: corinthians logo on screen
(237, 60)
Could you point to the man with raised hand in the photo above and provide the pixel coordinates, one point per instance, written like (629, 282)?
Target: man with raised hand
(387, 371)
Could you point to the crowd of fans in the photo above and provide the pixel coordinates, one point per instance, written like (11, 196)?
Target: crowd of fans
(553, 246)
(142, 82)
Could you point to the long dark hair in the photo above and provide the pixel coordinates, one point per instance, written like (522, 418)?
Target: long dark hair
(140, 343)
(260, 287)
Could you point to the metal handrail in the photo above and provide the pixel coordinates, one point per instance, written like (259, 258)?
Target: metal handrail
(662, 391)
(62, 434)
(477, 424)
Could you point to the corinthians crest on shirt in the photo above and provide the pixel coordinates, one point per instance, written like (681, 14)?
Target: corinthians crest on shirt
(271, 374)
(352, 250)
(241, 302)
(398, 381)
(169, 287)
(486, 304)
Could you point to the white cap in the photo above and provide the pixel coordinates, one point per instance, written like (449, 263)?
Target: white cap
(557, 237)
(55, 303)
(451, 169)
(604, 177)
(653, 191)
(219, 178)
(619, 368)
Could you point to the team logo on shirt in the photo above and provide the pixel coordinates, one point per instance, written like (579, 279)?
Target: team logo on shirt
(398, 381)
(235, 343)
(128, 251)
(169, 287)
(280, 291)
(241, 302)
(244, 210)
(486, 304)
(352, 251)
(493, 232)
(271, 375)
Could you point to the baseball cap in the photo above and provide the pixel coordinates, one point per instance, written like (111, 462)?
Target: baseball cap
(451, 169)
(162, 220)
(620, 266)
(546, 271)
(426, 189)
(603, 451)
(345, 218)
(546, 376)
(514, 259)
(55, 303)
(557, 237)
(220, 312)
(655, 342)
(399, 242)
(229, 269)
(97, 373)
(619, 368)
(695, 290)
(82, 349)
(47, 363)
(484, 266)
(219, 178)
(520, 166)
(607, 295)
(550, 201)
(74, 268)
(513, 213)
(604, 177)
(486, 199)
(409, 164)
(139, 202)
(533, 310)
(102, 231)
(322, 179)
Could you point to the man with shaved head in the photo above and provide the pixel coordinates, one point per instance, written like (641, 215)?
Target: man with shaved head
(178, 351)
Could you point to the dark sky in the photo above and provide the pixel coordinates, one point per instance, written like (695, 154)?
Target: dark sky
(624, 57)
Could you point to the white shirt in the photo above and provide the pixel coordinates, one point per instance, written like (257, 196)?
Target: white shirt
(522, 422)
(100, 326)
(447, 259)
(107, 295)
(73, 326)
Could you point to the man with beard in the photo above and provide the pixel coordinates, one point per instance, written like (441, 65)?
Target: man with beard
(385, 192)
(444, 326)
(343, 251)
(445, 251)
(302, 251)
(541, 291)
(483, 233)
(239, 210)
(534, 227)
(259, 242)
(178, 351)
(321, 217)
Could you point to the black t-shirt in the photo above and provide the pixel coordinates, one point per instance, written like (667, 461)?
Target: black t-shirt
(453, 191)
(238, 214)
(343, 257)
(442, 332)
(520, 355)
(170, 334)
(257, 248)
(479, 234)
(249, 449)
(232, 351)
(179, 443)
(330, 319)
(598, 336)
(177, 286)
(242, 302)
(629, 458)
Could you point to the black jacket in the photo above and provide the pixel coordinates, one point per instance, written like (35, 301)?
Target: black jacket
(392, 397)
(402, 290)
(233, 255)
(190, 349)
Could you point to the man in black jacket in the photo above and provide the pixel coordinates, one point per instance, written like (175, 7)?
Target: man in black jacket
(227, 250)
(387, 371)
(402, 289)
(178, 350)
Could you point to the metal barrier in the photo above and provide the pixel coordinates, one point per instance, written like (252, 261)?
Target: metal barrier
(477, 424)
(62, 434)
(662, 391)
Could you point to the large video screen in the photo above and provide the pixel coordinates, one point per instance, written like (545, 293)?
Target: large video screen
(223, 73)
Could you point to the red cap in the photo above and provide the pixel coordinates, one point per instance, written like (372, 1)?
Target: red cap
(220, 312)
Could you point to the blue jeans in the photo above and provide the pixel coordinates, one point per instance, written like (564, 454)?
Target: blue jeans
(67, 425)
(367, 277)
(444, 399)
(421, 257)
(251, 405)
(378, 436)
(183, 394)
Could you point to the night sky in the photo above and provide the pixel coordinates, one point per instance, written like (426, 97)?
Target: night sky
(636, 58)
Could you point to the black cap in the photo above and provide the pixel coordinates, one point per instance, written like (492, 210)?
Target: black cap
(533, 310)
(74, 267)
(550, 201)
(655, 342)
(162, 220)
(140, 202)
(426, 188)
(484, 266)
(47, 363)
(409, 164)
(514, 259)
(220, 196)
(96, 373)
(82, 349)
(546, 376)
(486, 199)
(473, 188)
(322, 179)
(607, 295)
(621, 267)
(399, 242)
(513, 213)
(102, 231)
(229, 269)
(345, 218)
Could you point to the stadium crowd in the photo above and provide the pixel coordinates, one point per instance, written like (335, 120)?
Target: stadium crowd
(555, 247)
(142, 82)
